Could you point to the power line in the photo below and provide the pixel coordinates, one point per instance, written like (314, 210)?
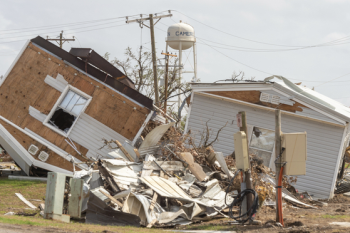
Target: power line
(247, 49)
(228, 56)
(4, 42)
(11, 37)
(65, 24)
(332, 79)
(337, 40)
(238, 61)
(258, 69)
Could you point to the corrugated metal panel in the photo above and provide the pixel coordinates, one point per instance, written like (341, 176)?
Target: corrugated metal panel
(89, 133)
(323, 140)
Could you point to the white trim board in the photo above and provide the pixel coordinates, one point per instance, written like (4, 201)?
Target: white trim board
(16, 149)
(60, 99)
(33, 137)
(188, 114)
(59, 83)
(142, 127)
(37, 114)
(66, 156)
(340, 155)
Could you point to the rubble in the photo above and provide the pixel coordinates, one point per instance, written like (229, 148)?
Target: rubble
(168, 182)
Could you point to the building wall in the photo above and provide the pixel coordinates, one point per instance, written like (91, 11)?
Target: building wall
(25, 87)
(323, 140)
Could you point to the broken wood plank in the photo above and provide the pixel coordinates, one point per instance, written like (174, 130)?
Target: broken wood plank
(112, 198)
(165, 165)
(137, 153)
(195, 168)
(28, 203)
(124, 151)
(153, 202)
(152, 223)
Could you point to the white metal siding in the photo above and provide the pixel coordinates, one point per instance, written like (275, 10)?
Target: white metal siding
(89, 133)
(323, 140)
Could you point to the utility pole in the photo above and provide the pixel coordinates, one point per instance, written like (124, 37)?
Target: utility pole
(61, 40)
(166, 78)
(247, 174)
(278, 160)
(154, 58)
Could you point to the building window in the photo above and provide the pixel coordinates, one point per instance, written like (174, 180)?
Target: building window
(67, 110)
(262, 144)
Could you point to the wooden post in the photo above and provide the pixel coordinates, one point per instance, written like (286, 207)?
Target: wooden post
(154, 61)
(247, 174)
(277, 152)
(167, 58)
(166, 82)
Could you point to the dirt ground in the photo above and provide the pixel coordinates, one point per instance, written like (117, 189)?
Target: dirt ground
(296, 219)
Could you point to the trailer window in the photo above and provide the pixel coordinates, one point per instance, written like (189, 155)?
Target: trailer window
(67, 110)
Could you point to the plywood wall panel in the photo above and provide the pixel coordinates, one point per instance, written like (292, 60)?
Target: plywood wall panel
(25, 86)
(47, 99)
(83, 85)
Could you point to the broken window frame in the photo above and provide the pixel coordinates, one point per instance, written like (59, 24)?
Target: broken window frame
(56, 106)
(250, 129)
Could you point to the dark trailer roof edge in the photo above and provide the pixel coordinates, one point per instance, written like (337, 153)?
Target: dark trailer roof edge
(91, 70)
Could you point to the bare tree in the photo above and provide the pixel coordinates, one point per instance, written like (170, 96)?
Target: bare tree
(236, 77)
(137, 65)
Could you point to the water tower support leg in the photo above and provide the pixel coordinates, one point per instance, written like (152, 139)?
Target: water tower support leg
(195, 61)
(180, 74)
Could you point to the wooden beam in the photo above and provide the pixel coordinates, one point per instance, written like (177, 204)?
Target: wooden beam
(124, 151)
(112, 198)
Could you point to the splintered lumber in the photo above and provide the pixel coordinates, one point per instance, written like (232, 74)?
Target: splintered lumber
(124, 151)
(137, 153)
(112, 198)
(210, 155)
(28, 203)
(152, 223)
(195, 168)
(153, 202)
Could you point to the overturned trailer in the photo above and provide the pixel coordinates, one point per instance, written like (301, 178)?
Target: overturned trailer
(214, 105)
(57, 106)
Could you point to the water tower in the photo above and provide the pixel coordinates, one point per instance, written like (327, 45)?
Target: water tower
(181, 37)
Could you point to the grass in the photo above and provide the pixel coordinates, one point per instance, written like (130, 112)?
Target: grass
(212, 227)
(73, 226)
(328, 216)
(9, 202)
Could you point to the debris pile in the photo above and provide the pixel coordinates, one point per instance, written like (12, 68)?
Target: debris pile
(167, 180)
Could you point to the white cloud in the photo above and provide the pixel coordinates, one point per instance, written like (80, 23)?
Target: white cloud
(4, 23)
